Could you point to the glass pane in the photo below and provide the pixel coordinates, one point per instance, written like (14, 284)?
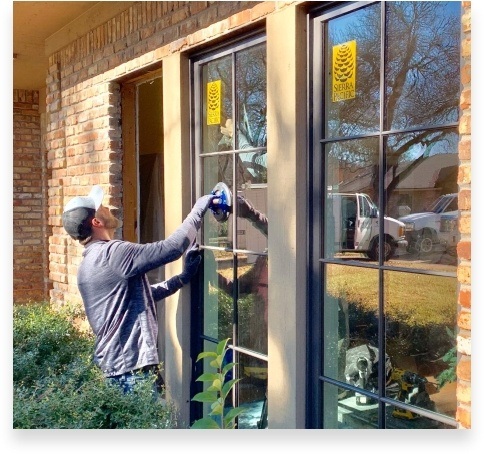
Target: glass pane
(398, 418)
(421, 340)
(217, 105)
(421, 191)
(341, 412)
(253, 393)
(252, 302)
(218, 290)
(251, 86)
(215, 169)
(353, 66)
(251, 168)
(351, 325)
(422, 67)
(252, 223)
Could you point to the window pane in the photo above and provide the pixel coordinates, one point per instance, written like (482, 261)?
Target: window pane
(216, 169)
(217, 299)
(422, 67)
(398, 418)
(421, 191)
(216, 105)
(421, 340)
(252, 223)
(351, 325)
(341, 412)
(352, 105)
(251, 87)
(252, 302)
(252, 393)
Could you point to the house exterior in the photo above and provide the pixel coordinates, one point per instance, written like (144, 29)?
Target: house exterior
(285, 102)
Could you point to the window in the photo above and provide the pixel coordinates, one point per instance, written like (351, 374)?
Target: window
(385, 90)
(230, 147)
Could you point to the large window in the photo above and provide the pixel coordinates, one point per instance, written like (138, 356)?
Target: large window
(230, 143)
(385, 81)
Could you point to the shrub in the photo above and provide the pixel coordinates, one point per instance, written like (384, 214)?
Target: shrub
(57, 386)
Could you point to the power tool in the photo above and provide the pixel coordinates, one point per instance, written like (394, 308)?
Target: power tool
(412, 390)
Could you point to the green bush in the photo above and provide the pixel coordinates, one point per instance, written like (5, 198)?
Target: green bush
(57, 386)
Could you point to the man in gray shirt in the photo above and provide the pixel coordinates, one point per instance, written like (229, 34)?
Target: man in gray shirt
(118, 299)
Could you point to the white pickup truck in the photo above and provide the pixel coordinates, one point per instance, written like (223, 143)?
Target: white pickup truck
(434, 228)
(356, 224)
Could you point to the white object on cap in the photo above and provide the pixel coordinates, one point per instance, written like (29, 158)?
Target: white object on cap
(93, 200)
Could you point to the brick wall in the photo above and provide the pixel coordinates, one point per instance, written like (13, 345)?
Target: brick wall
(464, 247)
(29, 220)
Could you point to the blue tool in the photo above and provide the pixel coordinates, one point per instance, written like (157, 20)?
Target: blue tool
(222, 206)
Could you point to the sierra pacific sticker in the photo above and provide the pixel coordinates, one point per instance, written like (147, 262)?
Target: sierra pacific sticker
(213, 102)
(344, 71)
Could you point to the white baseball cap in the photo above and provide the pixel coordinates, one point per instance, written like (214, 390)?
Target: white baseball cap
(79, 212)
(93, 200)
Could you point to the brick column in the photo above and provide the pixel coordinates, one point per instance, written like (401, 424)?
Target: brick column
(463, 414)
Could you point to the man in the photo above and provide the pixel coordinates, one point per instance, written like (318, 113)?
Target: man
(118, 299)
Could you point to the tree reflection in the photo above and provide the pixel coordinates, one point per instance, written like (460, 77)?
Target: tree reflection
(420, 88)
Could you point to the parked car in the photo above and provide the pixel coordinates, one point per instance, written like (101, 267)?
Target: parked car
(356, 227)
(434, 228)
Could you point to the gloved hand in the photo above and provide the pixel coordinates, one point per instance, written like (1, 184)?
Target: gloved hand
(192, 261)
(203, 203)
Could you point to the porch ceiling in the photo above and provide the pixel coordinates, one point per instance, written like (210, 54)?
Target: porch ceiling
(41, 28)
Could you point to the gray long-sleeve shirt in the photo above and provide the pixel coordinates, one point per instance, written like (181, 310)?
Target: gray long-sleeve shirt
(118, 299)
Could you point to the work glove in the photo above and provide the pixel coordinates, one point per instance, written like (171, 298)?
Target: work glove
(203, 203)
(192, 261)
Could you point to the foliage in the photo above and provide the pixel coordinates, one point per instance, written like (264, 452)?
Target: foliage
(220, 416)
(57, 386)
(449, 375)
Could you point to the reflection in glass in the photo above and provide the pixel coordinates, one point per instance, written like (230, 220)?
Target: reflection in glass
(353, 110)
(421, 190)
(215, 169)
(216, 103)
(218, 302)
(351, 325)
(398, 418)
(422, 67)
(421, 339)
(250, 82)
(341, 411)
(252, 393)
(351, 213)
(252, 223)
(252, 302)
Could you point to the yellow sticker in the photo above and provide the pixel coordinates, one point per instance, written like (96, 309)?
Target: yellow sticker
(344, 71)
(214, 91)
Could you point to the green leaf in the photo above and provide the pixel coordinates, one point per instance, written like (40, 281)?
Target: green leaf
(206, 354)
(216, 363)
(228, 386)
(207, 376)
(222, 346)
(217, 408)
(205, 423)
(232, 414)
(205, 396)
(216, 385)
(227, 367)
